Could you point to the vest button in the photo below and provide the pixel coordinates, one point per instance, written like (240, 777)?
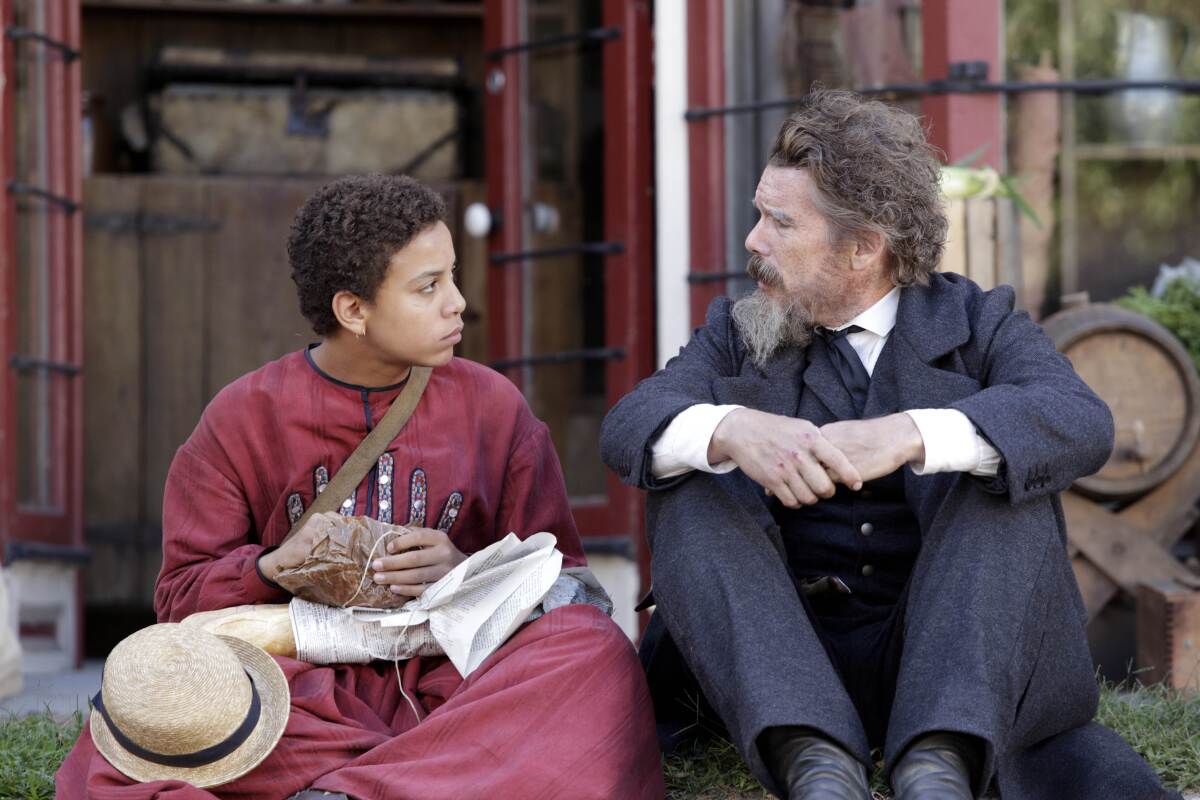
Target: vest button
(866, 494)
(867, 529)
(868, 570)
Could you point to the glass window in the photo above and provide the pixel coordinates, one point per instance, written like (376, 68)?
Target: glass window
(1126, 169)
(777, 49)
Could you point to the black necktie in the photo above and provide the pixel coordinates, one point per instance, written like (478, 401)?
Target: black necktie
(849, 365)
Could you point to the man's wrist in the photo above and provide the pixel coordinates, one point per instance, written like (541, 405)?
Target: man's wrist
(914, 443)
(718, 445)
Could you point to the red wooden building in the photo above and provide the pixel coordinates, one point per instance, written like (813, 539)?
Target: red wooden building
(603, 139)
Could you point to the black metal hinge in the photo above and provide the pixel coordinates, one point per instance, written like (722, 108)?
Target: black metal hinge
(44, 551)
(15, 187)
(143, 223)
(25, 34)
(561, 357)
(968, 77)
(584, 248)
(29, 364)
(589, 36)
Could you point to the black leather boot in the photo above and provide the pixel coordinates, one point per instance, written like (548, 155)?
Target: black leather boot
(810, 767)
(937, 766)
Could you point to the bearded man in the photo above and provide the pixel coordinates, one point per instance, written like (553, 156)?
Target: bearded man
(853, 479)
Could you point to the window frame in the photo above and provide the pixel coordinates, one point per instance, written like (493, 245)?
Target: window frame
(58, 526)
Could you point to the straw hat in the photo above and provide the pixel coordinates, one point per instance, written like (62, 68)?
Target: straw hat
(177, 703)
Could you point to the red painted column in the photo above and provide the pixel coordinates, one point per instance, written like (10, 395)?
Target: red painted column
(628, 218)
(503, 176)
(960, 124)
(706, 148)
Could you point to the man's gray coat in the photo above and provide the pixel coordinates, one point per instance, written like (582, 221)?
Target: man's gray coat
(993, 639)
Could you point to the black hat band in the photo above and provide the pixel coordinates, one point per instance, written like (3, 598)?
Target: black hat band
(200, 758)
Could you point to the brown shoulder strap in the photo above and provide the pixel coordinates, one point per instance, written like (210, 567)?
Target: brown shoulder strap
(368, 452)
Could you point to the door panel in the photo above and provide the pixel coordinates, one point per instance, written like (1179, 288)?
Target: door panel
(568, 176)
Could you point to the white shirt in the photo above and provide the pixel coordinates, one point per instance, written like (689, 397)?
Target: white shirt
(952, 442)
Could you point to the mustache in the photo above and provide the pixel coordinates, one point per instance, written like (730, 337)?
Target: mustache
(764, 272)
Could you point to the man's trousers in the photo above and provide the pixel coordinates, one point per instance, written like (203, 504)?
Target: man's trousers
(986, 640)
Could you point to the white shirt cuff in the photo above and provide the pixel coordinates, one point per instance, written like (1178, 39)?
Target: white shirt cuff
(953, 444)
(683, 446)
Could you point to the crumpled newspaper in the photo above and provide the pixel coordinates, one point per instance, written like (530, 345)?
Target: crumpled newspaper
(360, 642)
(335, 571)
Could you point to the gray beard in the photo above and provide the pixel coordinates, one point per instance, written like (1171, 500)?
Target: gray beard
(767, 325)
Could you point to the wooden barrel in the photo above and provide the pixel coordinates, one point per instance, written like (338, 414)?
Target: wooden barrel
(1148, 380)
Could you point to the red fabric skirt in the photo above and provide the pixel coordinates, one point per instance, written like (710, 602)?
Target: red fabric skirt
(561, 710)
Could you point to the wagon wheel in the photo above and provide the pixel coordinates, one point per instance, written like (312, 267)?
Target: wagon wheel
(1150, 383)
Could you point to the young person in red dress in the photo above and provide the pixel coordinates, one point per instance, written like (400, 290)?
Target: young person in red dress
(561, 709)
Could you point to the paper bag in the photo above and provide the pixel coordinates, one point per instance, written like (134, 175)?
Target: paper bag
(335, 572)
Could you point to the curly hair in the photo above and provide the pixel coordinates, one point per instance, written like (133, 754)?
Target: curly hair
(346, 234)
(874, 172)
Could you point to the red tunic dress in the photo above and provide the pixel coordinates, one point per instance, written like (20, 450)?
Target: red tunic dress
(561, 710)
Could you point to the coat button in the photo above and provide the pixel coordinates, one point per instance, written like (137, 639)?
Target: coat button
(868, 570)
(867, 529)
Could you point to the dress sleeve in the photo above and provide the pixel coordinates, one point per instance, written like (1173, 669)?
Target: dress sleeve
(535, 496)
(209, 560)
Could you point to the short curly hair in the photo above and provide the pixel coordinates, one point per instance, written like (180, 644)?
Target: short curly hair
(346, 234)
(874, 172)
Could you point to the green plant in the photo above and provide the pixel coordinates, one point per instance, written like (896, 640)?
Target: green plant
(961, 181)
(1178, 310)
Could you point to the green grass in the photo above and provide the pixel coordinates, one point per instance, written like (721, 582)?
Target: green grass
(1162, 725)
(31, 748)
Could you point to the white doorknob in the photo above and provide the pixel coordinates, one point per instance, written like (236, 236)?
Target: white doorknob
(545, 218)
(477, 220)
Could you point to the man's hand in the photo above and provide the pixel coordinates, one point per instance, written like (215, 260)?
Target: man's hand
(877, 447)
(787, 457)
(416, 559)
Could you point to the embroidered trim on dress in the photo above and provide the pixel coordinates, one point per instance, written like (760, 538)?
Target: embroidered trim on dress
(418, 493)
(346, 509)
(450, 512)
(295, 508)
(384, 481)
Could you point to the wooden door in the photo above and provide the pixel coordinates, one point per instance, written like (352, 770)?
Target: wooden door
(570, 275)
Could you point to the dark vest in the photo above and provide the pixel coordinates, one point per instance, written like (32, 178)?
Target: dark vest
(870, 538)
